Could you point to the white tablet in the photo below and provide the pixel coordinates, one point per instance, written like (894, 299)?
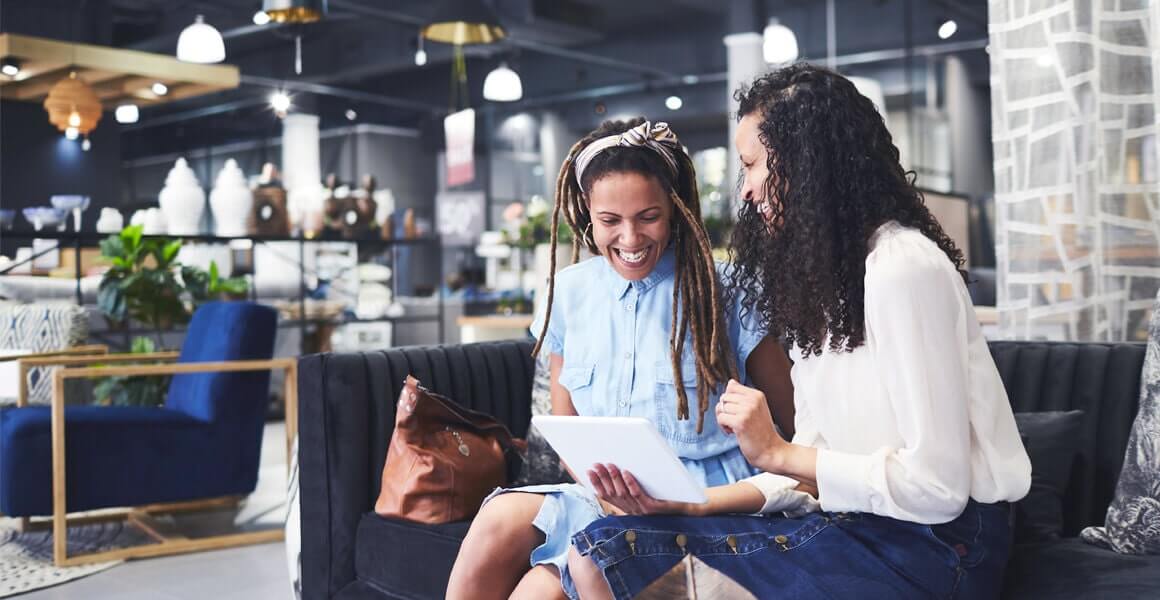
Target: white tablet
(631, 443)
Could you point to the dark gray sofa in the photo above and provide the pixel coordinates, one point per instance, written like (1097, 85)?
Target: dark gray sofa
(347, 412)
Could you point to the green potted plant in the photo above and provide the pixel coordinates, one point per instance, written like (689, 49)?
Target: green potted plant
(146, 283)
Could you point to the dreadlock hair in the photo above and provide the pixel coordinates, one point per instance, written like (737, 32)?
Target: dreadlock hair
(834, 178)
(697, 301)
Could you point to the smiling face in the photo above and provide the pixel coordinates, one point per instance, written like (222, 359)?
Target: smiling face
(754, 165)
(631, 216)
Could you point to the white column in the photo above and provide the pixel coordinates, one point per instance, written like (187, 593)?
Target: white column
(744, 63)
(301, 165)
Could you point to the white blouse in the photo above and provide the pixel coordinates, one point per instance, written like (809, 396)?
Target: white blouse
(916, 420)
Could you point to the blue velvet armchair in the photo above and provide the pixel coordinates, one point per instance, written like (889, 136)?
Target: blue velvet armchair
(203, 443)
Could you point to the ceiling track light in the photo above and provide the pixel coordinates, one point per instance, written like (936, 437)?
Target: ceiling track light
(948, 28)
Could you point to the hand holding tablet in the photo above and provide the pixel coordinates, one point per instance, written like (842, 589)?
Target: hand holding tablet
(631, 443)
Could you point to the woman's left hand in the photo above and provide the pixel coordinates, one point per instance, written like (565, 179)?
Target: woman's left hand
(744, 411)
(621, 490)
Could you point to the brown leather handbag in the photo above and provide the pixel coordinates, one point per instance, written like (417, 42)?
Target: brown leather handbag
(443, 459)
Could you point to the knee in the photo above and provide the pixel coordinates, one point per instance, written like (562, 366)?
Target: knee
(586, 576)
(503, 521)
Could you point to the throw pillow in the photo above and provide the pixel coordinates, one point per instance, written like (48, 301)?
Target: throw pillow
(293, 528)
(1052, 442)
(1132, 525)
(542, 464)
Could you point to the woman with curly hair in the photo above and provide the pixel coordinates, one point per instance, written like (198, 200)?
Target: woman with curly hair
(642, 329)
(902, 421)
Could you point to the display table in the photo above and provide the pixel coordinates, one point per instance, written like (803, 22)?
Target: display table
(493, 327)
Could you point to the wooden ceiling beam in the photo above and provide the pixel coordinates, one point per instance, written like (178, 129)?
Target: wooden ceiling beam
(115, 74)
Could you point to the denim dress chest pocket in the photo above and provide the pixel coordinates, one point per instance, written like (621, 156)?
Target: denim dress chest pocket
(578, 381)
(665, 395)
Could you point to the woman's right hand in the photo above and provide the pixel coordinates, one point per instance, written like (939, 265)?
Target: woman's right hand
(622, 492)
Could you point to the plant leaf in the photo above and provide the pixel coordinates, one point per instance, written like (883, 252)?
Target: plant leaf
(111, 300)
(131, 237)
(169, 253)
(113, 247)
(142, 345)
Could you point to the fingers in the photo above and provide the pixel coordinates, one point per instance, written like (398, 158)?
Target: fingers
(634, 487)
(723, 417)
(736, 387)
(618, 485)
(605, 479)
(609, 485)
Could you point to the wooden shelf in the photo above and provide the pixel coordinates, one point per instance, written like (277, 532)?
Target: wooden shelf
(117, 76)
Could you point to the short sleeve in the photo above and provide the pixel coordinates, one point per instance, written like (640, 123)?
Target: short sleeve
(554, 337)
(743, 321)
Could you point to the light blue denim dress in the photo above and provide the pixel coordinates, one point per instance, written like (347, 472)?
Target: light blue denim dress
(613, 335)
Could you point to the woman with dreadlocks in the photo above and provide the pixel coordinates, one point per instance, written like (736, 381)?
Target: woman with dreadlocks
(641, 329)
(902, 422)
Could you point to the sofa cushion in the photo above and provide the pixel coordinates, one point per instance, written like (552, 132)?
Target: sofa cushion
(411, 560)
(1101, 379)
(1052, 442)
(1070, 568)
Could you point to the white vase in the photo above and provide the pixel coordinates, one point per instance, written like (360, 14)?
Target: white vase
(151, 220)
(182, 200)
(230, 200)
(111, 221)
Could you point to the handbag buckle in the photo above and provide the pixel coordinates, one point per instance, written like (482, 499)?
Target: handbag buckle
(463, 449)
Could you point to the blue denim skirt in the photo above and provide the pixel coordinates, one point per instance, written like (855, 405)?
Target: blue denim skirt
(820, 555)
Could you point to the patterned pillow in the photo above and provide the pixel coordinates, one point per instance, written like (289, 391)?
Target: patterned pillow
(542, 464)
(1133, 522)
(293, 528)
(44, 327)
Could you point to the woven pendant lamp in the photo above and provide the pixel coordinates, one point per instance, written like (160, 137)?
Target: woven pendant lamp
(72, 104)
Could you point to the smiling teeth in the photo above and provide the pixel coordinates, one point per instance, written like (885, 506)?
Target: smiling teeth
(632, 257)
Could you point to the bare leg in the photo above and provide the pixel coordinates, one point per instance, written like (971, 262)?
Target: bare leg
(541, 583)
(494, 555)
(590, 582)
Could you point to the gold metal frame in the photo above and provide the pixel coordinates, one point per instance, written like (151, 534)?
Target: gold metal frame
(78, 355)
(141, 517)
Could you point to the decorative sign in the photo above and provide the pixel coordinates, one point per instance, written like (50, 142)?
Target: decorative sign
(460, 217)
(460, 131)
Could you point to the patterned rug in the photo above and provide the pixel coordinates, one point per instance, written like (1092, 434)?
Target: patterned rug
(26, 558)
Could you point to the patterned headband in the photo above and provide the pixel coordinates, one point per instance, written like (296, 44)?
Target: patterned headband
(656, 137)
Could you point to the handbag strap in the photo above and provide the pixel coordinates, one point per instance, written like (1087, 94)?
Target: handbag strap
(478, 421)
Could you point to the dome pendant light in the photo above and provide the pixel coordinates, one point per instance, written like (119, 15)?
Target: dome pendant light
(779, 44)
(503, 85)
(201, 43)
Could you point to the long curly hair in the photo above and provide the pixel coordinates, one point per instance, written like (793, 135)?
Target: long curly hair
(697, 303)
(834, 178)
